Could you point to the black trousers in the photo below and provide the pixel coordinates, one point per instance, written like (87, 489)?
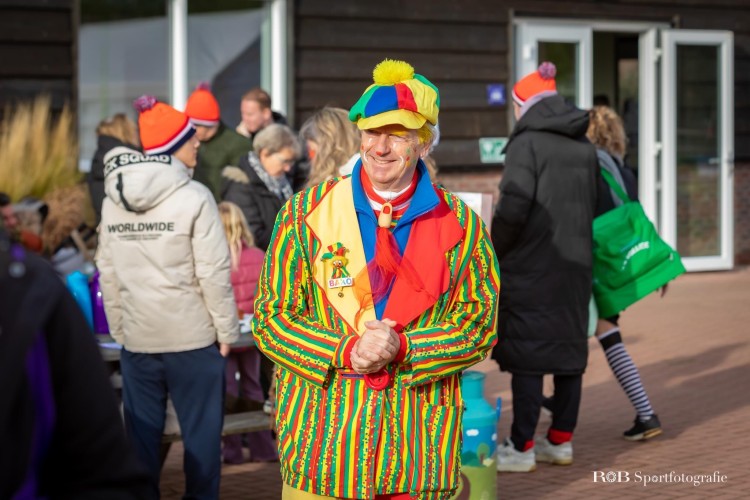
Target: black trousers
(527, 403)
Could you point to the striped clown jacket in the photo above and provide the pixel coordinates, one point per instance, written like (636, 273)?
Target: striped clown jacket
(337, 436)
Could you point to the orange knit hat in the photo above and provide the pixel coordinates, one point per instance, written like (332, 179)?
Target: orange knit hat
(541, 80)
(202, 107)
(163, 129)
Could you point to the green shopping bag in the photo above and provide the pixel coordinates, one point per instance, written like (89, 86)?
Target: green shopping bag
(630, 258)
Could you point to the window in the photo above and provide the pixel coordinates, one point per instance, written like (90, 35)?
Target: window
(124, 53)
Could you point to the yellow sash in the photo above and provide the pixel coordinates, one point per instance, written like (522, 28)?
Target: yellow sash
(332, 221)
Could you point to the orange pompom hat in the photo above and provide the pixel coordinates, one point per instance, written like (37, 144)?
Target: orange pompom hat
(202, 107)
(163, 129)
(541, 80)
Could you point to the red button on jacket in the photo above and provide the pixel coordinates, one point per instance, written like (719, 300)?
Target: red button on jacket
(378, 380)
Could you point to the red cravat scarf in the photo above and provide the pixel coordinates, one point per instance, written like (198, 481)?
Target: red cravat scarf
(397, 205)
(387, 262)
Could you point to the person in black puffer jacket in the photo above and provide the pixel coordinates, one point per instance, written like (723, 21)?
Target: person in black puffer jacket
(60, 428)
(542, 234)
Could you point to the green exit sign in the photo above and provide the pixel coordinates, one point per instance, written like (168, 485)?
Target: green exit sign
(490, 149)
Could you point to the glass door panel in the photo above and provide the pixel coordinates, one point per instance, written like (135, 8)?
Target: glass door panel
(570, 48)
(565, 57)
(698, 142)
(698, 173)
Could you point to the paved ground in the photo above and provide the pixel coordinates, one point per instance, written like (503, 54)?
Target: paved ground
(693, 350)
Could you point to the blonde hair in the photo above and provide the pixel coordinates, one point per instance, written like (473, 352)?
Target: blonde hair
(606, 130)
(426, 133)
(236, 229)
(337, 139)
(120, 127)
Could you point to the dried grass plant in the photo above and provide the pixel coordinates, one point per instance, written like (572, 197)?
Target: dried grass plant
(67, 210)
(38, 151)
(39, 158)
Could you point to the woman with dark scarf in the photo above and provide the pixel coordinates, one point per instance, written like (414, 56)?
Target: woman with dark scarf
(259, 185)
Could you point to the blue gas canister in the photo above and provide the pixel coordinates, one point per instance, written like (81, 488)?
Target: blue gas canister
(478, 462)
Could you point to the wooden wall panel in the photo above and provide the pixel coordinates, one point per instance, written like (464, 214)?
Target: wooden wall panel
(18, 25)
(38, 4)
(457, 152)
(460, 46)
(59, 90)
(704, 13)
(741, 146)
(38, 51)
(490, 122)
(384, 12)
(312, 94)
(463, 46)
(457, 124)
(742, 45)
(363, 34)
(713, 4)
(354, 65)
(28, 61)
(588, 9)
(736, 20)
(742, 125)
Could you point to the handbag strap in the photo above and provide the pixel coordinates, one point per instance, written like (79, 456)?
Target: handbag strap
(614, 185)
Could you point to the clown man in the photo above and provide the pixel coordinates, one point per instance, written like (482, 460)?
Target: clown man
(369, 366)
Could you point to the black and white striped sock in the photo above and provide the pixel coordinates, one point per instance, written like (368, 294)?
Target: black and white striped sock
(626, 372)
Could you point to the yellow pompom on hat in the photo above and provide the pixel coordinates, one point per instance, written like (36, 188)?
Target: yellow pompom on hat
(397, 96)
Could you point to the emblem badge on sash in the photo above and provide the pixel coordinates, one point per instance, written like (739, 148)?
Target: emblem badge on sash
(340, 277)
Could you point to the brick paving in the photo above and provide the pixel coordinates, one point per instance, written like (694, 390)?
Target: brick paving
(693, 351)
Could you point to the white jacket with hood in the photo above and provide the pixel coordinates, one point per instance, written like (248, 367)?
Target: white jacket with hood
(163, 257)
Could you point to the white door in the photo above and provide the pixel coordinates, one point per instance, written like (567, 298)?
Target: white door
(697, 144)
(685, 123)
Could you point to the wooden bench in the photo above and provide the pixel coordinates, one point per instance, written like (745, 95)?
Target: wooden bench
(234, 423)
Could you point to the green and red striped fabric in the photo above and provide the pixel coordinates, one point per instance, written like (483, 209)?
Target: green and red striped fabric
(337, 437)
